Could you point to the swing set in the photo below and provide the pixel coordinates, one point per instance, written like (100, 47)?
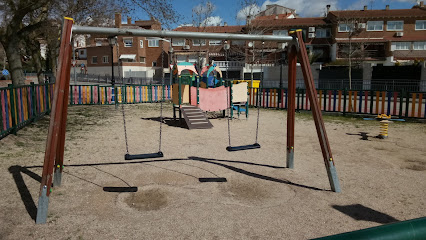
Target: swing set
(54, 154)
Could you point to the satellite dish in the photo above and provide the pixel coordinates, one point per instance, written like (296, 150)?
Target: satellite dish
(250, 44)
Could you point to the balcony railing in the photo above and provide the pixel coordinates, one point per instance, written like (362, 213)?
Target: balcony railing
(231, 64)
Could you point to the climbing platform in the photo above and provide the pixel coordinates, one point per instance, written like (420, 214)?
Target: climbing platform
(195, 118)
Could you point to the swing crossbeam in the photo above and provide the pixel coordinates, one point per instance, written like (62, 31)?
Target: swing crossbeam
(244, 147)
(143, 156)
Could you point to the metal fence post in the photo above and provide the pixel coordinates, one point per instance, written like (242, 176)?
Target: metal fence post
(33, 102)
(12, 108)
(344, 102)
(401, 103)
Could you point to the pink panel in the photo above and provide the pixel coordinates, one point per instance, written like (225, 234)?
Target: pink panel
(95, 94)
(193, 96)
(211, 99)
(75, 95)
(3, 108)
(109, 95)
(137, 94)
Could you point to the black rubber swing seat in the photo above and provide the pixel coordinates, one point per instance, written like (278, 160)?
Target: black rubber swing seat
(143, 156)
(241, 148)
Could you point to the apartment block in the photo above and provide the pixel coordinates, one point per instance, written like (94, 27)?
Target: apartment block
(138, 56)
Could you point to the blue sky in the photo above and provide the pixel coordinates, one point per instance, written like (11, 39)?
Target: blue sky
(227, 10)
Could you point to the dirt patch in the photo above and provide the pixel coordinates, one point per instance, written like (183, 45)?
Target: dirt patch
(246, 191)
(416, 165)
(261, 199)
(148, 200)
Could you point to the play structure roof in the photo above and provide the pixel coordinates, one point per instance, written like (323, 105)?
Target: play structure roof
(186, 66)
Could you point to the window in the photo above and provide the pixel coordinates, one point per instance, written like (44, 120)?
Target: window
(128, 42)
(197, 42)
(420, 24)
(374, 25)
(98, 43)
(401, 46)
(154, 64)
(153, 43)
(178, 42)
(419, 45)
(238, 42)
(81, 52)
(127, 60)
(345, 27)
(322, 33)
(105, 59)
(395, 25)
(94, 59)
(141, 43)
(280, 32)
(215, 42)
(142, 59)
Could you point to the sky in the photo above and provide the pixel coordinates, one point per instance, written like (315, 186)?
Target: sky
(228, 10)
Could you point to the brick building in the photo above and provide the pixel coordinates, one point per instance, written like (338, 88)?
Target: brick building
(378, 36)
(382, 36)
(139, 56)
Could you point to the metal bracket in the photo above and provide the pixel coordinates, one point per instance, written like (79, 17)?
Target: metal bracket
(294, 42)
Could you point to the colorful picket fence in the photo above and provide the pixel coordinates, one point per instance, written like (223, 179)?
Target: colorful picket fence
(22, 105)
(401, 104)
(103, 95)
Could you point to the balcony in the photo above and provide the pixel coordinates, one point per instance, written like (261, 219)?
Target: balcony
(231, 64)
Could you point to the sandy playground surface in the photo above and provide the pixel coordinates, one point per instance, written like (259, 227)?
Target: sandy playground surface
(383, 181)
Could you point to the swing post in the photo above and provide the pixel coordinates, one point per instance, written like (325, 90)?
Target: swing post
(291, 110)
(316, 112)
(56, 136)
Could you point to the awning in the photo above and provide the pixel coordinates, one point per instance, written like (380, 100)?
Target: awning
(127, 56)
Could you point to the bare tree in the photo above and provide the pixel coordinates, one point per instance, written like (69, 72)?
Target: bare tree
(21, 19)
(201, 15)
(27, 21)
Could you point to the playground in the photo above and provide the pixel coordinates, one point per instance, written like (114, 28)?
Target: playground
(382, 180)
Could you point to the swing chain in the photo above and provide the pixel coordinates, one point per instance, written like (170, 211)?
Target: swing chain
(162, 95)
(122, 105)
(258, 94)
(228, 109)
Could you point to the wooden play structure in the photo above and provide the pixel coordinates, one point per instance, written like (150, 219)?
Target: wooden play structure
(193, 95)
(206, 99)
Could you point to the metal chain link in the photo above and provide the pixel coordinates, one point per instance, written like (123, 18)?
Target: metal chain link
(228, 111)
(122, 105)
(258, 93)
(162, 95)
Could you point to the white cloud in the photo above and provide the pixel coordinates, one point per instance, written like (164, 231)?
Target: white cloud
(248, 11)
(186, 25)
(212, 21)
(204, 8)
(305, 8)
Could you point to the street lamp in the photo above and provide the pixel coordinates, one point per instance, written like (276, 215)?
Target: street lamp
(171, 50)
(226, 46)
(112, 42)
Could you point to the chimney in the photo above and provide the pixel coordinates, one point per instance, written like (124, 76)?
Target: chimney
(328, 10)
(365, 7)
(248, 20)
(422, 4)
(387, 7)
(276, 16)
(129, 20)
(225, 24)
(118, 20)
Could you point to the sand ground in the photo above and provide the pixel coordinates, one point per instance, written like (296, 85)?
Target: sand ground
(383, 181)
